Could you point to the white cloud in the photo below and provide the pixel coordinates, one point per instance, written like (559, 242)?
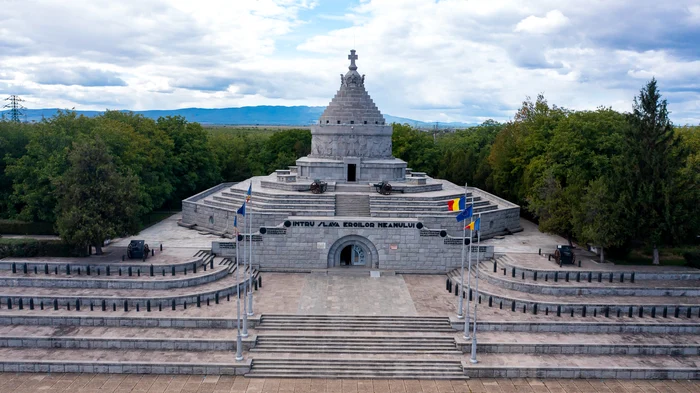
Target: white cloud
(424, 59)
(553, 21)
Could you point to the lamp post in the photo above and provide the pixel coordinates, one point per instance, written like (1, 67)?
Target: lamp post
(460, 304)
(476, 292)
(239, 340)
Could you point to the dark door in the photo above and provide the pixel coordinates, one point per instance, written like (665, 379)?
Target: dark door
(352, 169)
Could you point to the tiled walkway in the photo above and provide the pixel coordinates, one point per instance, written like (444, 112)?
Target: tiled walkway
(99, 383)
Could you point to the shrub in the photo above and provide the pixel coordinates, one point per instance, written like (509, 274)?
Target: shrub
(19, 248)
(692, 259)
(15, 227)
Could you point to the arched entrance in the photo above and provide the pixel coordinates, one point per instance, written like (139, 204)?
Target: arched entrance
(353, 251)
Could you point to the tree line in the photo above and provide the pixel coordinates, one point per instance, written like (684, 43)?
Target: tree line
(615, 180)
(92, 178)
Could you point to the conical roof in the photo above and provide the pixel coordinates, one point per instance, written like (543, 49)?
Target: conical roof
(352, 104)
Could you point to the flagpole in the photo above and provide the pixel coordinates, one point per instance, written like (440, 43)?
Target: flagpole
(239, 340)
(245, 281)
(469, 275)
(476, 303)
(460, 305)
(250, 262)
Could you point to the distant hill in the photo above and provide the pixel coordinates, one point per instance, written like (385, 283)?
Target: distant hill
(247, 115)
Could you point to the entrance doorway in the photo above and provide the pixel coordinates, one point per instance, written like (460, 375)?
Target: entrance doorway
(352, 255)
(352, 172)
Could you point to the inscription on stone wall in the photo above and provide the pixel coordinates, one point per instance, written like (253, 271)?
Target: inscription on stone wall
(352, 224)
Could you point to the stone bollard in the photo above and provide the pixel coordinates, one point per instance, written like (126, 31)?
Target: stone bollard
(524, 308)
(653, 312)
(611, 277)
(78, 270)
(126, 306)
(456, 290)
(199, 301)
(534, 276)
(567, 277)
(173, 304)
(583, 311)
(20, 304)
(534, 309)
(24, 268)
(579, 263)
(46, 268)
(539, 251)
(255, 284)
(512, 306)
(578, 276)
(31, 303)
(228, 297)
(137, 307)
(259, 281)
(600, 277)
(500, 305)
(205, 267)
(629, 312)
(122, 258)
(114, 306)
(160, 306)
(68, 269)
(138, 272)
(98, 271)
(184, 304)
(559, 311)
(107, 269)
(676, 312)
(104, 305)
(35, 270)
(546, 277)
(687, 312)
(495, 267)
(14, 268)
(572, 312)
(479, 299)
(153, 252)
(471, 297)
(546, 311)
(41, 304)
(523, 276)
(211, 263)
(556, 276)
(68, 306)
(641, 312)
(619, 311)
(207, 302)
(194, 268)
(55, 304)
(91, 308)
(163, 272)
(88, 269)
(185, 271)
(512, 272)
(161, 247)
(665, 313)
(148, 305)
(172, 270)
(590, 275)
(120, 271)
(129, 271)
(632, 278)
(77, 304)
(607, 311)
(549, 257)
(622, 277)
(216, 296)
(151, 270)
(595, 312)
(490, 301)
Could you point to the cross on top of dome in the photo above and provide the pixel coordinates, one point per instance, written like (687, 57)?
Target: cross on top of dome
(352, 57)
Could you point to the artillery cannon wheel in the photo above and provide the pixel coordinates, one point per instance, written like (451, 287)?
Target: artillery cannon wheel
(385, 189)
(318, 187)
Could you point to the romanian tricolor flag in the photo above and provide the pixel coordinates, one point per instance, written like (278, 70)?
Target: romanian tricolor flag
(474, 225)
(457, 204)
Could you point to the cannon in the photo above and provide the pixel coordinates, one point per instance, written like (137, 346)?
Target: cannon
(564, 255)
(137, 249)
(383, 188)
(318, 186)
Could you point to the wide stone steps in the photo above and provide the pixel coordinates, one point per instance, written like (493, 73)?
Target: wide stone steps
(623, 303)
(399, 212)
(352, 205)
(132, 361)
(272, 205)
(354, 323)
(293, 199)
(356, 344)
(356, 368)
(403, 206)
(511, 365)
(586, 344)
(277, 209)
(579, 285)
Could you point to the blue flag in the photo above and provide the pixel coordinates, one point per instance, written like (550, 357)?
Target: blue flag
(241, 210)
(464, 214)
(250, 191)
(477, 224)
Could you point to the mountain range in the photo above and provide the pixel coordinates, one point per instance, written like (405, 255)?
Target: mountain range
(247, 115)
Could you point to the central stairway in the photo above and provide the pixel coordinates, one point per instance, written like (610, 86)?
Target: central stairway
(302, 346)
(352, 205)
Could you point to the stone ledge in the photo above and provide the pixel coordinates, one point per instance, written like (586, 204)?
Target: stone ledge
(117, 367)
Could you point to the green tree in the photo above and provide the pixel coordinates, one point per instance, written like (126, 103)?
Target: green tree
(13, 141)
(654, 159)
(96, 202)
(415, 147)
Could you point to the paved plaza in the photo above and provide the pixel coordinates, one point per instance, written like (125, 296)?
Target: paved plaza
(96, 383)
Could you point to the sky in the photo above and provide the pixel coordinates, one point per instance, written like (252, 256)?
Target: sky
(447, 60)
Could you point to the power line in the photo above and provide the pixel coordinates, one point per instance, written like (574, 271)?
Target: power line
(15, 107)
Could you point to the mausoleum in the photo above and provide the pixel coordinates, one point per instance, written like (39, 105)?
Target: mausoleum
(350, 224)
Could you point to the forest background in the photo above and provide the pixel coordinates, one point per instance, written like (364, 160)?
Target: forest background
(628, 182)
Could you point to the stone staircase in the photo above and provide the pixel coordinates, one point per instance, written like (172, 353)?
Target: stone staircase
(355, 323)
(352, 205)
(424, 344)
(356, 368)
